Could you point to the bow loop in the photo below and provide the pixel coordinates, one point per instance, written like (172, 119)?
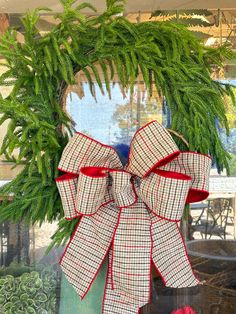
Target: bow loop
(67, 187)
(92, 190)
(165, 193)
(82, 151)
(151, 147)
(198, 167)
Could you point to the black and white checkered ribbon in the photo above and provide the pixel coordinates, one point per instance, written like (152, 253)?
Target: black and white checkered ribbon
(131, 215)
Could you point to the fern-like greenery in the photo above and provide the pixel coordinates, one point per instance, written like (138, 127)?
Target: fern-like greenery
(187, 17)
(38, 69)
(190, 18)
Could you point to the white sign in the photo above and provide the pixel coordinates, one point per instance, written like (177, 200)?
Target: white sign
(223, 184)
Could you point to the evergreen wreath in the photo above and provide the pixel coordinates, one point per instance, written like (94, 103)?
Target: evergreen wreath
(41, 67)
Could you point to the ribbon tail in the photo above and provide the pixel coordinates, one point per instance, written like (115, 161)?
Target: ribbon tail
(113, 303)
(88, 247)
(170, 256)
(131, 259)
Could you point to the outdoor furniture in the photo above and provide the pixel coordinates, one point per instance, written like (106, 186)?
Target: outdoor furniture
(197, 207)
(195, 217)
(213, 218)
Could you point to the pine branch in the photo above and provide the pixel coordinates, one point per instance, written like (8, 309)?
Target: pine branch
(167, 54)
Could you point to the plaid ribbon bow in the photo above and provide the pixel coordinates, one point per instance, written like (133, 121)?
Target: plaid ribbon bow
(129, 214)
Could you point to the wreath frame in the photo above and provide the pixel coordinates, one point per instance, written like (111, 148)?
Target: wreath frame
(39, 69)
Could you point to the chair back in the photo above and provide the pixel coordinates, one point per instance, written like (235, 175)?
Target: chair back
(218, 212)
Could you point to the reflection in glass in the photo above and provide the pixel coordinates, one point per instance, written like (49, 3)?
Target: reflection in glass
(113, 121)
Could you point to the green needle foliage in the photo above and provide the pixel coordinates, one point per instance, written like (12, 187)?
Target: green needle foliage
(39, 69)
(188, 17)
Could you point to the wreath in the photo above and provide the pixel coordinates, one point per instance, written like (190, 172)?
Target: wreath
(40, 67)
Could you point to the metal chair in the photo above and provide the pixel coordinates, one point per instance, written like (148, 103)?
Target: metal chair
(216, 219)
